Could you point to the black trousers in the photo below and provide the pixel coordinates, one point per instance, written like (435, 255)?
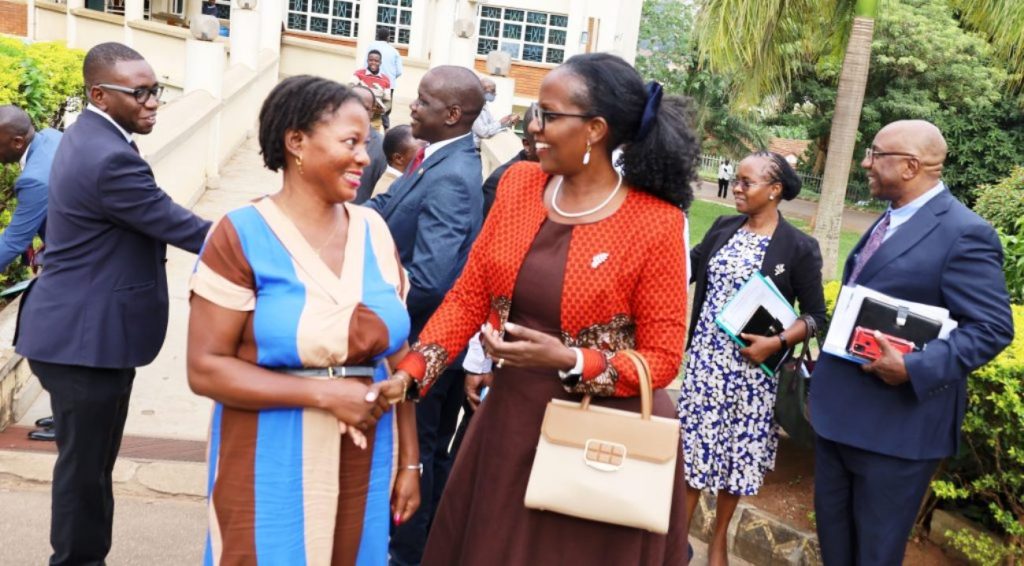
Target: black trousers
(90, 406)
(865, 503)
(436, 417)
(723, 188)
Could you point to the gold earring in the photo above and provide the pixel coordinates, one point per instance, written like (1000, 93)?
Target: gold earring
(586, 156)
(298, 163)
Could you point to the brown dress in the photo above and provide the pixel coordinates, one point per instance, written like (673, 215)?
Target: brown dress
(481, 519)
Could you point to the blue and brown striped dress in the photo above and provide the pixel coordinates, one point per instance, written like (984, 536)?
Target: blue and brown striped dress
(284, 486)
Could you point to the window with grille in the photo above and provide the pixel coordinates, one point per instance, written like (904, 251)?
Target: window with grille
(396, 17)
(526, 35)
(339, 18)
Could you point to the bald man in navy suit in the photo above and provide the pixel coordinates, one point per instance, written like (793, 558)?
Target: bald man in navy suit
(883, 427)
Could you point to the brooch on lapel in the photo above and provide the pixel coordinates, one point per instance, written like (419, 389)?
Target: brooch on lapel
(598, 259)
(779, 269)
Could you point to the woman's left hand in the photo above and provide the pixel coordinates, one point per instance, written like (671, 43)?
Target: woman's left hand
(760, 348)
(405, 498)
(531, 348)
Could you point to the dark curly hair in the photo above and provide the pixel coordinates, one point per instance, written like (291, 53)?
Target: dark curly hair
(781, 172)
(664, 162)
(296, 103)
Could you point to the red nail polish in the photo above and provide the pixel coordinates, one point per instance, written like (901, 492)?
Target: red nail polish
(398, 519)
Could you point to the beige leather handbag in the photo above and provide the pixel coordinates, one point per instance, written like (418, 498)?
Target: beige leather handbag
(606, 464)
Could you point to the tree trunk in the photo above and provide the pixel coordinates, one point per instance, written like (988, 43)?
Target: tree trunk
(843, 138)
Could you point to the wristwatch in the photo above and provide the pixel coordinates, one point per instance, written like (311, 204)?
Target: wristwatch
(572, 377)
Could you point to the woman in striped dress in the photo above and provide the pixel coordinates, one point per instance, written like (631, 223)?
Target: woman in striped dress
(297, 302)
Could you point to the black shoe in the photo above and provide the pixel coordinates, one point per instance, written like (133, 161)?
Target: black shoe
(45, 422)
(47, 434)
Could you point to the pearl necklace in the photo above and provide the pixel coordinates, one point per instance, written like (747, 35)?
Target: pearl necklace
(558, 187)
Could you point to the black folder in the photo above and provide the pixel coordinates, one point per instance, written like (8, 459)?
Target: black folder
(897, 321)
(762, 323)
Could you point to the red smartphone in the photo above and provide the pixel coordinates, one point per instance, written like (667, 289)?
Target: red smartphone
(864, 345)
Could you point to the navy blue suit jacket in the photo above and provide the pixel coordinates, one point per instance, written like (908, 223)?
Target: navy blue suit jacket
(434, 214)
(31, 188)
(101, 299)
(945, 255)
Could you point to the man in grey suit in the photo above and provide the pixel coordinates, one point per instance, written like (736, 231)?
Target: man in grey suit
(99, 308)
(434, 212)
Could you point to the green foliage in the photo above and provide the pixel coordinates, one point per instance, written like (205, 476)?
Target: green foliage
(990, 469)
(42, 78)
(1013, 260)
(923, 65)
(667, 54)
(1002, 204)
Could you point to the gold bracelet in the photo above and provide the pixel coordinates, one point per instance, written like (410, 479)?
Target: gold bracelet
(417, 467)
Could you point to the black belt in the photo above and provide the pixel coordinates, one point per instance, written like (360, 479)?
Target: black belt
(333, 372)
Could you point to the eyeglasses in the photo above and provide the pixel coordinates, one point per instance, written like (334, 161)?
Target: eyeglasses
(871, 153)
(141, 94)
(541, 117)
(743, 184)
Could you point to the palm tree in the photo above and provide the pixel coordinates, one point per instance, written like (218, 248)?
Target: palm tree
(767, 41)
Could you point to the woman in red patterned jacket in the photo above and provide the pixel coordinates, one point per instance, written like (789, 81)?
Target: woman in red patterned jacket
(574, 263)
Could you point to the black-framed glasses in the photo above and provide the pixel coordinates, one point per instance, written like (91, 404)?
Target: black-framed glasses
(141, 94)
(871, 153)
(540, 116)
(744, 184)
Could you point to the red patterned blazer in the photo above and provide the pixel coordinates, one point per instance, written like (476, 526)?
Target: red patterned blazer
(625, 287)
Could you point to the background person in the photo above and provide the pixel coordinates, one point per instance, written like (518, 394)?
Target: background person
(390, 65)
(883, 427)
(724, 176)
(528, 153)
(374, 148)
(262, 337)
(33, 151)
(564, 268)
(99, 309)
(379, 84)
(401, 148)
(486, 125)
(727, 401)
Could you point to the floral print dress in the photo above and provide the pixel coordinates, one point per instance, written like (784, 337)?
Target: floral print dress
(727, 405)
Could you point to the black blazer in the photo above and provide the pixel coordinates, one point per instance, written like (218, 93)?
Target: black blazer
(101, 299)
(792, 261)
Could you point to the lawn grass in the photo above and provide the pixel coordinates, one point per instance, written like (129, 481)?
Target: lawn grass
(703, 214)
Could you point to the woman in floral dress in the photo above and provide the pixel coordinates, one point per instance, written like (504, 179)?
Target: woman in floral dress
(727, 401)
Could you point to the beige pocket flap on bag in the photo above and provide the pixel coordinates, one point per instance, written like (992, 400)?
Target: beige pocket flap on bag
(567, 424)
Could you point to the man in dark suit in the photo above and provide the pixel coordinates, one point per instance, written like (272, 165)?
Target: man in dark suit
(34, 151)
(434, 212)
(884, 426)
(98, 310)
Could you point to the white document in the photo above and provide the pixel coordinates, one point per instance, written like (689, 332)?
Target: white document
(758, 291)
(848, 306)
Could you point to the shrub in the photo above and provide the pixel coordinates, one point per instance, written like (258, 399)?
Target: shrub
(1002, 204)
(1013, 260)
(990, 469)
(44, 79)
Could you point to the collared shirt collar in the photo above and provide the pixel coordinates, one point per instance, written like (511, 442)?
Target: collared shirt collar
(24, 156)
(127, 136)
(393, 171)
(434, 147)
(902, 215)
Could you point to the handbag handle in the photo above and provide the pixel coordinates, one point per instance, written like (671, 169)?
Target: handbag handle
(643, 373)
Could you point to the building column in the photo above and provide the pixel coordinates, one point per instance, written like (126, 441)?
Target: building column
(579, 15)
(270, 25)
(418, 36)
(205, 63)
(245, 37)
(367, 30)
(442, 32)
(133, 10)
(72, 22)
